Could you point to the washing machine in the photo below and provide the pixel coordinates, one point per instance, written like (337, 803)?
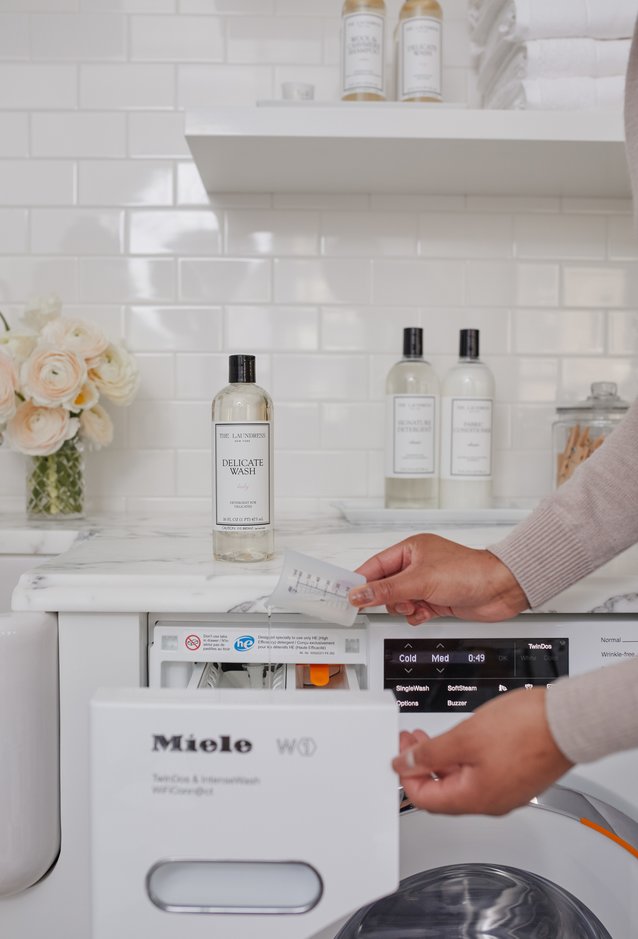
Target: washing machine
(321, 845)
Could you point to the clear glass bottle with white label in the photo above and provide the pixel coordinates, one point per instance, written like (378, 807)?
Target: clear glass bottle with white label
(412, 419)
(242, 441)
(363, 50)
(467, 408)
(419, 51)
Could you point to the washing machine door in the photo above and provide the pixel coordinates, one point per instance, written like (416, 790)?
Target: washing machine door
(565, 867)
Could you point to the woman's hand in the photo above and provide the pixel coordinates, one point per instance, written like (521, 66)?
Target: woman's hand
(427, 576)
(489, 764)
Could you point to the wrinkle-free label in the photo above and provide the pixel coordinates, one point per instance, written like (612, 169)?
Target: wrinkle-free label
(420, 58)
(241, 475)
(363, 42)
(466, 439)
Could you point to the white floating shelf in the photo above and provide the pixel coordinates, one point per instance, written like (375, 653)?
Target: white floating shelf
(409, 148)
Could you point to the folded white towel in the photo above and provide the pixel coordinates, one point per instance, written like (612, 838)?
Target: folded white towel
(553, 19)
(504, 62)
(560, 94)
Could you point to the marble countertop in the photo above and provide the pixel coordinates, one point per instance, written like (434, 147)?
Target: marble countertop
(142, 564)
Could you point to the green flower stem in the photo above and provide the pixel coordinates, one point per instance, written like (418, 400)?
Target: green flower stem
(7, 328)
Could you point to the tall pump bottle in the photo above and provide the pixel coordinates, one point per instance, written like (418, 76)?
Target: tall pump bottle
(467, 405)
(242, 418)
(363, 50)
(412, 417)
(419, 51)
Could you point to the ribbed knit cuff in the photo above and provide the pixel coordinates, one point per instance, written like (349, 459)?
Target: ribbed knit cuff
(592, 715)
(544, 555)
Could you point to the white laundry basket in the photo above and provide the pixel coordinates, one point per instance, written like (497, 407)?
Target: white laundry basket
(29, 749)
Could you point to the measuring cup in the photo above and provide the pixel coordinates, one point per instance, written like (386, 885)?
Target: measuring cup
(316, 588)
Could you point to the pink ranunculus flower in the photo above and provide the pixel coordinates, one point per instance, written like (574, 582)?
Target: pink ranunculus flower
(70, 335)
(8, 384)
(40, 431)
(52, 378)
(96, 426)
(116, 375)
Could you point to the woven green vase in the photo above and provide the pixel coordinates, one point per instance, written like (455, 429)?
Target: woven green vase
(55, 483)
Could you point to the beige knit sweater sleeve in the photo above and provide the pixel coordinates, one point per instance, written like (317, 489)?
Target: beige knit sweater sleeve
(590, 519)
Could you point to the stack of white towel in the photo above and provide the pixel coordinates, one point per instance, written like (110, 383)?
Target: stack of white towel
(552, 54)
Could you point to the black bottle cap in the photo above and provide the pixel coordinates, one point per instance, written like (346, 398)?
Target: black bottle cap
(469, 344)
(241, 368)
(413, 342)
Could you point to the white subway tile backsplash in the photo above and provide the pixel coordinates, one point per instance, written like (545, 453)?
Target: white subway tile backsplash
(14, 135)
(195, 474)
(129, 6)
(513, 204)
(315, 377)
(228, 7)
(415, 202)
(177, 38)
(224, 281)
(156, 134)
(442, 328)
(297, 426)
(200, 376)
(78, 37)
(29, 6)
(132, 473)
(522, 471)
(532, 426)
(174, 232)
(174, 329)
(190, 188)
(352, 426)
(537, 284)
(271, 232)
(611, 285)
(366, 329)
(125, 182)
(622, 332)
(126, 280)
(320, 474)
(448, 235)
(22, 278)
(206, 86)
(326, 281)
(525, 379)
(37, 182)
(559, 332)
(169, 424)
(622, 239)
(419, 282)
(78, 134)
(14, 231)
(490, 283)
(323, 78)
(77, 231)
(108, 318)
(368, 234)
(280, 40)
(28, 86)
(271, 328)
(14, 36)
(13, 475)
(127, 86)
(560, 236)
(578, 374)
(321, 200)
(592, 205)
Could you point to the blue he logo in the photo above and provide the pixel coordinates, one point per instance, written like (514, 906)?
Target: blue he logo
(244, 643)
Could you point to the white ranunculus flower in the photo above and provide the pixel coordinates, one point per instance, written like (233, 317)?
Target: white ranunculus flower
(39, 431)
(8, 384)
(116, 375)
(96, 426)
(20, 343)
(40, 310)
(51, 378)
(87, 397)
(71, 335)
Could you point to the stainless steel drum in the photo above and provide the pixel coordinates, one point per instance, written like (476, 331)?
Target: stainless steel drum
(476, 901)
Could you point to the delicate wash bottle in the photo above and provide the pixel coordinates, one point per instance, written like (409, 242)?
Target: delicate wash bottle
(412, 407)
(467, 405)
(242, 414)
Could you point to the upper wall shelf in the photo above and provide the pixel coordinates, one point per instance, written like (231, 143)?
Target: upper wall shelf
(412, 149)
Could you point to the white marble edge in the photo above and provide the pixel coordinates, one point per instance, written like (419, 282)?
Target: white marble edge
(142, 564)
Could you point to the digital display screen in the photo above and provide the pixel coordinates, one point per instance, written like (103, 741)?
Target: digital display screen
(457, 675)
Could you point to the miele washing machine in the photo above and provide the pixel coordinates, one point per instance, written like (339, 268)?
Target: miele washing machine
(307, 850)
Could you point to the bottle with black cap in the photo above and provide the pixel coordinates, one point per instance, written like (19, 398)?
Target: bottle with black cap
(412, 418)
(242, 414)
(467, 406)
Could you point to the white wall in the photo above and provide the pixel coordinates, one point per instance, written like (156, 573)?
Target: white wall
(100, 203)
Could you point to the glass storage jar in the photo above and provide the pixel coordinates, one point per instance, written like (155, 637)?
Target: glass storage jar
(581, 428)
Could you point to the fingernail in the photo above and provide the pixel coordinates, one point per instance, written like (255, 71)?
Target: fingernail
(403, 608)
(361, 595)
(408, 759)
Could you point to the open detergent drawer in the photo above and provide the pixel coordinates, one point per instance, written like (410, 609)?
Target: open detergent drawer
(240, 813)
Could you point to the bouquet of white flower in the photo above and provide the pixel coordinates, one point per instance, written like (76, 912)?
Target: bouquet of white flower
(53, 370)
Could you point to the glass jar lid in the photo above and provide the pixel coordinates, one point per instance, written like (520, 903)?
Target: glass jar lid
(604, 397)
